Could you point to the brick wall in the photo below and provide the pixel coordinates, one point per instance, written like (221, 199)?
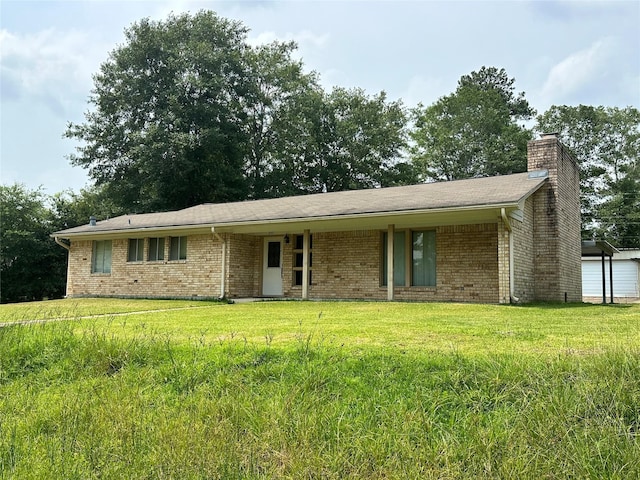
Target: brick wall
(504, 262)
(348, 265)
(345, 265)
(467, 263)
(197, 276)
(556, 220)
(523, 255)
(244, 254)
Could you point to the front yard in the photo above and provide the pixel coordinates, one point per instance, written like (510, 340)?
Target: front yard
(319, 390)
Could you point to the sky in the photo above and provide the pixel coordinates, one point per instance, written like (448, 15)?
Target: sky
(559, 52)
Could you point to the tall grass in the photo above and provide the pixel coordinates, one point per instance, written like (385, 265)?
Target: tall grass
(105, 400)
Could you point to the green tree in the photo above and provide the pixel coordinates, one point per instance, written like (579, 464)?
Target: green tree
(277, 84)
(32, 266)
(166, 129)
(343, 140)
(69, 209)
(187, 112)
(606, 143)
(474, 131)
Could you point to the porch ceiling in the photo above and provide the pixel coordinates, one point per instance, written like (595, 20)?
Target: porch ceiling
(423, 219)
(595, 248)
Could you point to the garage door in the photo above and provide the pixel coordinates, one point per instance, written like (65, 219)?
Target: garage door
(625, 278)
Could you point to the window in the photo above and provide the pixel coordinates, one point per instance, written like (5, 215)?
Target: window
(156, 249)
(136, 247)
(101, 261)
(399, 259)
(423, 258)
(273, 255)
(419, 256)
(178, 248)
(298, 246)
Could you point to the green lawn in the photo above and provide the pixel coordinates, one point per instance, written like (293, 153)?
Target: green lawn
(319, 390)
(74, 309)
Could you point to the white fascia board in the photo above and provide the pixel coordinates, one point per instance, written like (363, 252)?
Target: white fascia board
(368, 221)
(176, 230)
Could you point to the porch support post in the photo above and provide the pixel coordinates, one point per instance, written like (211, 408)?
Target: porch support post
(305, 265)
(604, 280)
(611, 277)
(391, 230)
(223, 273)
(223, 262)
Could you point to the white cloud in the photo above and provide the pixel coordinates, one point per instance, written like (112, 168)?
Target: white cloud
(50, 64)
(578, 71)
(304, 38)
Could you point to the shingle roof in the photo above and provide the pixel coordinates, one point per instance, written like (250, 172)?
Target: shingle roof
(459, 194)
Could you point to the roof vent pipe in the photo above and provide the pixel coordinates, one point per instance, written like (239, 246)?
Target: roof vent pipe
(92, 221)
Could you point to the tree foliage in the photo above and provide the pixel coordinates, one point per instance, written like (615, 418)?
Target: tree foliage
(606, 143)
(278, 85)
(32, 266)
(343, 140)
(474, 131)
(167, 130)
(69, 209)
(187, 112)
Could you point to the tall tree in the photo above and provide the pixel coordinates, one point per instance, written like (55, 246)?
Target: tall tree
(277, 83)
(32, 266)
(474, 131)
(343, 140)
(186, 112)
(606, 142)
(166, 130)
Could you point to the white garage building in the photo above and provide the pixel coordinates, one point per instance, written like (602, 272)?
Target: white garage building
(625, 266)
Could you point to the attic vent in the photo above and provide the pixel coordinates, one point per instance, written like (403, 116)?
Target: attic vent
(92, 221)
(539, 174)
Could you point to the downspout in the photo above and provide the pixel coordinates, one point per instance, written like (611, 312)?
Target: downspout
(507, 224)
(61, 243)
(223, 264)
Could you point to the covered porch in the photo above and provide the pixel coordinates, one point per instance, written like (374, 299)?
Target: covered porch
(439, 255)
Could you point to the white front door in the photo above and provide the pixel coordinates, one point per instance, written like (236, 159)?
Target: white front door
(272, 267)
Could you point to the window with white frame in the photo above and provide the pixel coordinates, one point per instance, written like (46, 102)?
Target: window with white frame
(178, 248)
(136, 249)
(101, 258)
(298, 251)
(156, 249)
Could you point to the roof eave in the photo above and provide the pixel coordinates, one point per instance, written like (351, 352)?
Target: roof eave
(173, 230)
(372, 221)
(369, 220)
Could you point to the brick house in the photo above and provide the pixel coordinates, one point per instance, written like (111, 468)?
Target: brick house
(511, 238)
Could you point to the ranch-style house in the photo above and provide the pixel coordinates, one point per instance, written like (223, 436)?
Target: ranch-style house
(510, 238)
